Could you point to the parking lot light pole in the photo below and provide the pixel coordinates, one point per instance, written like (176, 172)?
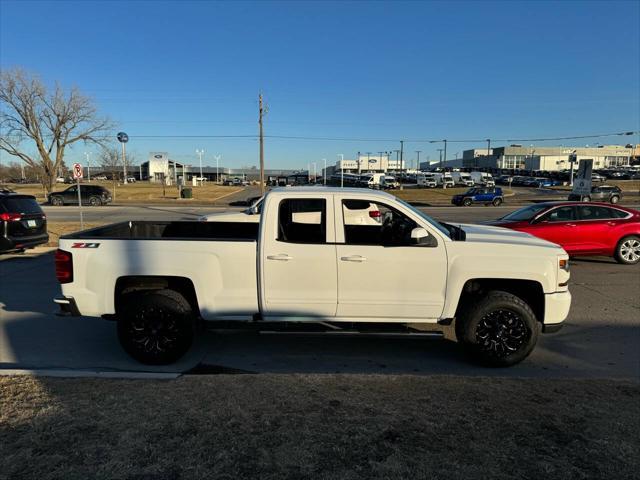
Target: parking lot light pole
(324, 174)
(200, 153)
(341, 170)
(86, 154)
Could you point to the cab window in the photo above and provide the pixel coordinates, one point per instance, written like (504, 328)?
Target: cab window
(302, 221)
(369, 223)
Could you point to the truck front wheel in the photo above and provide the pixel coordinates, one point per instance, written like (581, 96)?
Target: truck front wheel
(498, 330)
(155, 327)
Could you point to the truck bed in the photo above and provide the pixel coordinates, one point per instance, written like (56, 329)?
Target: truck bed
(143, 230)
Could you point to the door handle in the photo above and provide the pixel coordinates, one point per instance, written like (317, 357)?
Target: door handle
(354, 258)
(283, 257)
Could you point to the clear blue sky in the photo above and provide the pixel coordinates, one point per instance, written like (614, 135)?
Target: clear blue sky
(390, 70)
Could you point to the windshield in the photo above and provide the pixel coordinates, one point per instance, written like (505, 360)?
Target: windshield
(426, 217)
(526, 213)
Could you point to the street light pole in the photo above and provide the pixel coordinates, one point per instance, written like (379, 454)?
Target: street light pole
(86, 154)
(341, 170)
(200, 152)
(217, 157)
(324, 174)
(418, 160)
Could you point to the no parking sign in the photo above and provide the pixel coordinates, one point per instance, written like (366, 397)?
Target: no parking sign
(77, 171)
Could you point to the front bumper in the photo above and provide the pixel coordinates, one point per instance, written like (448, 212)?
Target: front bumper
(556, 310)
(68, 307)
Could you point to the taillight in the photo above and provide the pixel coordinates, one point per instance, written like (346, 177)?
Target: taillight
(64, 266)
(10, 217)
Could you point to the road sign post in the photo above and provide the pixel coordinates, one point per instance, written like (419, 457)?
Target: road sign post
(78, 174)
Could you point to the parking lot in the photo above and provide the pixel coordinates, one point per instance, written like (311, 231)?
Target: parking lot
(600, 338)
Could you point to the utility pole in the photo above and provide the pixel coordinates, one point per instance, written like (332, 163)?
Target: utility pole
(440, 152)
(262, 112)
(418, 160)
(341, 170)
(445, 151)
(488, 147)
(359, 168)
(380, 165)
(397, 158)
(401, 153)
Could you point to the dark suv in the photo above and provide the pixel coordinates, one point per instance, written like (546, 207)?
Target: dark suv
(23, 224)
(602, 193)
(91, 195)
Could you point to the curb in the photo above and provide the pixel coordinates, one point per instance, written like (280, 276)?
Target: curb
(89, 374)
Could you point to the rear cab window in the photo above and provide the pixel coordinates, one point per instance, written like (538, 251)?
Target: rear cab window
(302, 220)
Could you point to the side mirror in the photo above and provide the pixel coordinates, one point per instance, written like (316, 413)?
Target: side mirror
(419, 236)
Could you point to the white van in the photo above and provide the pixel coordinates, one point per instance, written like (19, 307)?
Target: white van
(444, 179)
(426, 180)
(482, 178)
(462, 178)
(372, 180)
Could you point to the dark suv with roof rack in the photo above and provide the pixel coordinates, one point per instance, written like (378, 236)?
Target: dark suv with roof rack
(23, 224)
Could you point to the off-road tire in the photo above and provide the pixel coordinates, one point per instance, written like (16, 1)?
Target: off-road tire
(155, 327)
(497, 329)
(628, 250)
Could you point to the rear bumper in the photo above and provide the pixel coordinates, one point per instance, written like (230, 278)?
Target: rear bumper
(8, 244)
(556, 310)
(68, 307)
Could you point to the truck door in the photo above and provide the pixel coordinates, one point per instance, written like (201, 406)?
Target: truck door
(298, 258)
(380, 273)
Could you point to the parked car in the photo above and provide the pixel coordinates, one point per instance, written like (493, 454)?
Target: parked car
(596, 178)
(484, 195)
(100, 177)
(314, 259)
(390, 183)
(581, 229)
(23, 224)
(93, 195)
(602, 193)
(131, 179)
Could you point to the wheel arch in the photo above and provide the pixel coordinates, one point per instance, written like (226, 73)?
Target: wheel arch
(530, 291)
(140, 283)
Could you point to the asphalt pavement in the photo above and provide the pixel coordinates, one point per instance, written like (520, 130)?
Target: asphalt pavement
(601, 337)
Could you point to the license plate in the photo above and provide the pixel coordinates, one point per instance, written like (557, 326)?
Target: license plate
(32, 223)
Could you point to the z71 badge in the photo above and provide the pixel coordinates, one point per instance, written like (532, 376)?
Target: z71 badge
(85, 245)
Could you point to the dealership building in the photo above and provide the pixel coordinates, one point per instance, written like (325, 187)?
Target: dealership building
(534, 158)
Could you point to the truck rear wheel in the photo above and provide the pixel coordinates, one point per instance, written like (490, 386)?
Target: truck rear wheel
(499, 330)
(155, 327)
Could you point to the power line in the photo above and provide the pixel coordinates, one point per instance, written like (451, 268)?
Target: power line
(409, 140)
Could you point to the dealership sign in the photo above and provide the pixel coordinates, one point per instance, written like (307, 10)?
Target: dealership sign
(582, 180)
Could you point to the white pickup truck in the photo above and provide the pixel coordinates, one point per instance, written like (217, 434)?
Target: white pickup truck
(345, 259)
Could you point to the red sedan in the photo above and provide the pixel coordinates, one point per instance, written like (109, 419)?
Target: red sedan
(582, 228)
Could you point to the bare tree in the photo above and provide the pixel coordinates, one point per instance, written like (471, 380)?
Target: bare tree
(110, 161)
(31, 115)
